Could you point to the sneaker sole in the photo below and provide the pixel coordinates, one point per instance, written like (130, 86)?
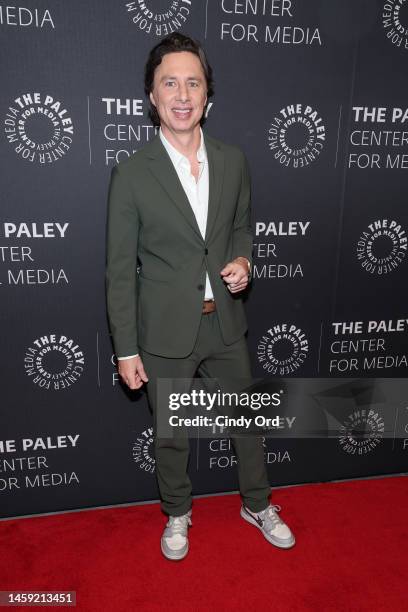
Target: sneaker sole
(270, 539)
(174, 556)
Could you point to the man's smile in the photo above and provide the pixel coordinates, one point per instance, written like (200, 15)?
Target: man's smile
(182, 113)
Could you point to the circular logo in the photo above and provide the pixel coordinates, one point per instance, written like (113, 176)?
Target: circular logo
(54, 362)
(382, 246)
(395, 22)
(159, 17)
(143, 451)
(361, 432)
(283, 349)
(39, 128)
(296, 136)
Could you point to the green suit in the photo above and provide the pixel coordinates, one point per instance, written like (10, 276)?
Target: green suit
(150, 217)
(158, 311)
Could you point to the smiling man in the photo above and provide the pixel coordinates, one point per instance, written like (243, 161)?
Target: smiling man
(180, 208)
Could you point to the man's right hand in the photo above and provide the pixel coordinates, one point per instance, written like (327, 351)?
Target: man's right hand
(132, 372)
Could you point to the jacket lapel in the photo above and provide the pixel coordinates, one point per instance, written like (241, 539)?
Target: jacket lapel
(163, 170)
(216, 165)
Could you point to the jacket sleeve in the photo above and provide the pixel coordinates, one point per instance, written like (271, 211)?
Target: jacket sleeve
(121, 264)
(242, 231)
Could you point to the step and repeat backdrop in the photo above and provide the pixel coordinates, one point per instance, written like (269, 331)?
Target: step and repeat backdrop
(315, 93)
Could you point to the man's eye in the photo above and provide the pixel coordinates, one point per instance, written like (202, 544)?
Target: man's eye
(193, 84)
(169, 83)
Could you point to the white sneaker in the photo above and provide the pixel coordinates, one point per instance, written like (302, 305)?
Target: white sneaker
(271, 525)
(174, 541)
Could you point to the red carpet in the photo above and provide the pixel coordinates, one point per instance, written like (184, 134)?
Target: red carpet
(351, 554)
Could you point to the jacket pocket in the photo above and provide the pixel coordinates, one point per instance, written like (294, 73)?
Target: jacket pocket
(153, 279)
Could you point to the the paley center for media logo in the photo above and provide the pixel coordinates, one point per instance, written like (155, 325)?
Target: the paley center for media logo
(382, 246)
(361, 432)
(283, 349)
(395, 22)
(39, 128)
(54, 362)
(296, 135)
(159, 17)
(143, 451)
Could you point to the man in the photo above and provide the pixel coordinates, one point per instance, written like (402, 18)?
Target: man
(180, 207)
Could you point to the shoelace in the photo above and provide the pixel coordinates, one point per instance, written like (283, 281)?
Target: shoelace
(178, 524)
(271, 518)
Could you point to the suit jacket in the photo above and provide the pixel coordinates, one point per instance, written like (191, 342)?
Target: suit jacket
(156, 257)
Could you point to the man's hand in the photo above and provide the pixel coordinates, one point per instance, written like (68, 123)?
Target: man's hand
(235, 274)
(132, 372)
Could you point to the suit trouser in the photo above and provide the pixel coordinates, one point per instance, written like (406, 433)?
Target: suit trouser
(212, 359)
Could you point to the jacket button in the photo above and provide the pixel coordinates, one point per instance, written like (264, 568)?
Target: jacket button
(206, 251)
(200, 287)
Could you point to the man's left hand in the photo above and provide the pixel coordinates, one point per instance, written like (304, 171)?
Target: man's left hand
(235, 274)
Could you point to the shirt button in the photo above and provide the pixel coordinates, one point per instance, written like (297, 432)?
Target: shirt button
(200, 287)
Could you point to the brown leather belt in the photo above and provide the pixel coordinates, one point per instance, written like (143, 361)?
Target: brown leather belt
(208, 306)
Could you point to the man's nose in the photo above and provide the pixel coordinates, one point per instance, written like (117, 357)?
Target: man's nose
(182, 93)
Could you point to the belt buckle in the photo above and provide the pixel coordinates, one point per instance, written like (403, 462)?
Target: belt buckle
(208, 301)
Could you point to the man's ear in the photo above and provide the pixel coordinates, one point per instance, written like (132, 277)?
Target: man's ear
(152, 98)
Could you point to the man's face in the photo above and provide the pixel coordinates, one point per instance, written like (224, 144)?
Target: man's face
(179, 91)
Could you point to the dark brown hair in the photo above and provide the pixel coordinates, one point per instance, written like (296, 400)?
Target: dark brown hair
(174, 43)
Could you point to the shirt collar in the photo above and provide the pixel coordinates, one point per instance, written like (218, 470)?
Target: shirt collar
(178, 157)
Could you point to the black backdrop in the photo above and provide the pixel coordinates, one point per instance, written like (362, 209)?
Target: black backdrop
(314, 92)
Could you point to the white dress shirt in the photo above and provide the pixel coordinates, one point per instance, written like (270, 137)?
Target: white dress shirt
(196, 191)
